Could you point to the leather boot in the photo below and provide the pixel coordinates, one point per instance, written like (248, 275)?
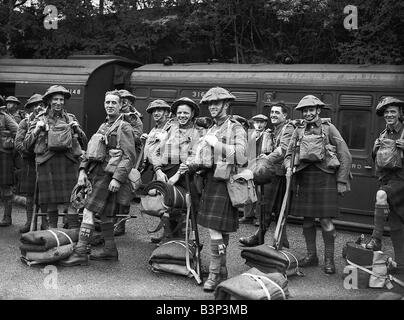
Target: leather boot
(212, 282)
(311, 258)
(109, 251)
(8, 207)
(329, 241)
(217, 250)
(374, 244)
(251, 241)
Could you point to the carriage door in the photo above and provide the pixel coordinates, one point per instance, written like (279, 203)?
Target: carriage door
(355, 114)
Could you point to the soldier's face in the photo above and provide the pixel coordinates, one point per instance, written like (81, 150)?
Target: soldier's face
(217, 109)
(260, 125)
(112, 105)
(57, 102)
(160, 115)
(184, 114)
(11, 106)
(310, 114)
(277, 116)
(38, 107)
(392, 115)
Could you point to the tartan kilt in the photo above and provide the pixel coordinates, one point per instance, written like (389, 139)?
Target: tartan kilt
(273, 195)
(100, 197)
(215, 208)
(395, 195)
(6, 169)
(27, 177)
(315, 194)
(56, 179)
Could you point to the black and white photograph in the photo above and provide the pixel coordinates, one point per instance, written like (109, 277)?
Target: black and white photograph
(201, 155)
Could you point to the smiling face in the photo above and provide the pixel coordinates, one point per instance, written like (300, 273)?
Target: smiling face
(392, 115)
(311, 113)
(260, 125)
(57, 102)
(184, 114)
(277, 116)
(218, 109)
(112, 105)
(160, 115)
(36, 107)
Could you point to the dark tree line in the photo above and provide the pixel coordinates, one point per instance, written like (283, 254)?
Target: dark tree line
(242, 31)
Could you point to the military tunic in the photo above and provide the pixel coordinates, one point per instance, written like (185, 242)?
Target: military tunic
(8, 127)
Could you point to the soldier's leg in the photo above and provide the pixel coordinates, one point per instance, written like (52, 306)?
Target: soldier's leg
(309, 233)
(382, 211)
(109, 251)
(72, 217)
(223, 269)
(7, 193)
(53, 215)
(217, 251)
(120, 228)
(329, 235)
(396, 225)
(29, 209)
(79, 256)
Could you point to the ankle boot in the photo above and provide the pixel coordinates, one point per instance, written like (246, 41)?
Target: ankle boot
(374, 244)
(329, 244)
(217, 250)
(251, 241)
(212, 282)
(311, 258)
(109, 251)
(8, 207)
(80, 253)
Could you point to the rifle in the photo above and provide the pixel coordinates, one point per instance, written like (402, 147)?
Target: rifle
(261, 214)
(191, 215)
(286, 199)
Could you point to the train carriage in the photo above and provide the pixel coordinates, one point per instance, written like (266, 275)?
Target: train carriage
(351, 93)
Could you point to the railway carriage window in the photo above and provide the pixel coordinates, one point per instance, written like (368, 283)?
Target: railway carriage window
(355, 128)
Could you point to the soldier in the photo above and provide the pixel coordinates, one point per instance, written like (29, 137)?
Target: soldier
(274, 152)
(109, 179)
(389, 198)
(134, 117)
(259, 139)
(8, 130)
(57, 140)
(228, 140)
(176, 148)
(33, 107)
(318, 181)
(12, 105)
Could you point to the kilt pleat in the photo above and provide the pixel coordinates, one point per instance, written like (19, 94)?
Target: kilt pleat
(100, 196)
(6, 169)
(56, 179)
(273, 195)
(27, 177)
(315, 194)
(215, 208)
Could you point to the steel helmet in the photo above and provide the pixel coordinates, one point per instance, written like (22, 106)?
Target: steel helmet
(217, 94)
(33, 99)
(157, 104)
(127, 94)
(189, 102)
(56, 89)
(308, 101)
(13, 99)
(79, 195)
(388, 101)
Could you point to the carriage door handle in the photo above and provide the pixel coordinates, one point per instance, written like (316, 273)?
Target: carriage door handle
(368, 167)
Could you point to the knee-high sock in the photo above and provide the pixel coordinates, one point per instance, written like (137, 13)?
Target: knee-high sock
(310, 233)
(381, 211)
(86, 231)
(217, 250)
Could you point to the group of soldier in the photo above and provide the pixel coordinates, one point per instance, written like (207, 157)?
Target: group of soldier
(312, 150)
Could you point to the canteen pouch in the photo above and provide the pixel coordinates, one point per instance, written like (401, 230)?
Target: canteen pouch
(241, 189)
(60, 137)
(388, 156)
(312, 148)
(96, 148)
(115, 156)
(7, 140)
(331, 159)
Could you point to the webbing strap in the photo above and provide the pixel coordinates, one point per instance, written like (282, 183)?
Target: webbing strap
(261, 283)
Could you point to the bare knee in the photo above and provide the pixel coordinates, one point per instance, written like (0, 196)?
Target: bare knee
(326, 224)
(381, 197)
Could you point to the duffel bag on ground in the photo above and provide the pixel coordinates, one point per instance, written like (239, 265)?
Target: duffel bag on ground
(170, 257)
(267, 259)
(253, 285)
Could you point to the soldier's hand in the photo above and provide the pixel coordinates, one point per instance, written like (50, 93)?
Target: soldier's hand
(161, 176)
(40, 125)
(342, 188)
(211, 140)
(144, 137)
(82, 180)
(400, 143)
(377, 143)
(75, 125)
(114, 185)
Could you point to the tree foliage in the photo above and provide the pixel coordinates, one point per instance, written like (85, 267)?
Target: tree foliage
(242, 31)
